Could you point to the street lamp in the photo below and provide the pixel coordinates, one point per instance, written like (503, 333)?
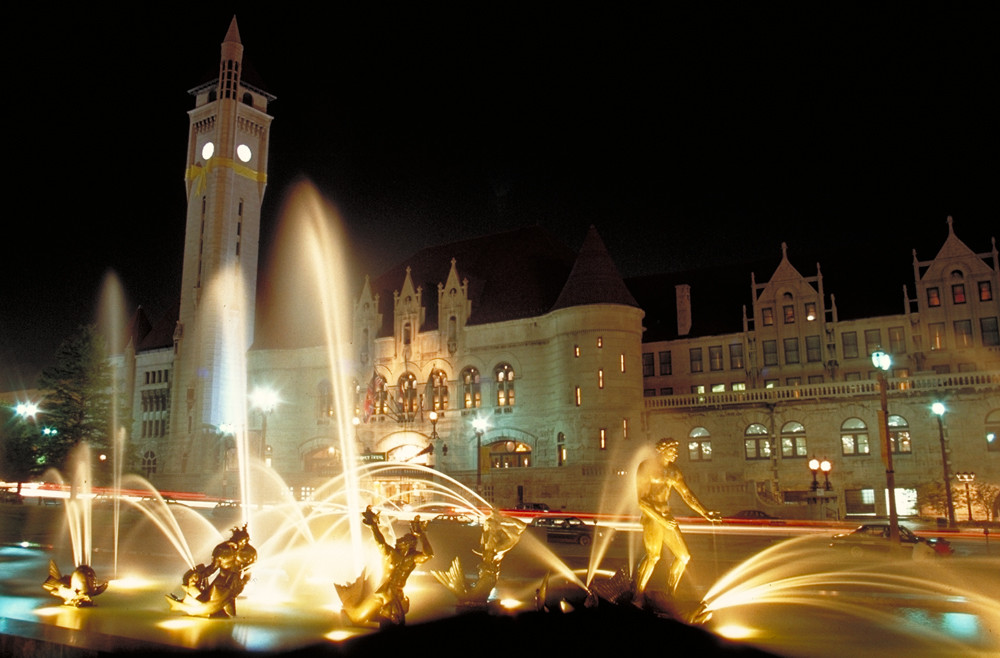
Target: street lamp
(939, 409)
(433, 415)
(882, 362)
(479, 426)
(967, 478)
(264, 399)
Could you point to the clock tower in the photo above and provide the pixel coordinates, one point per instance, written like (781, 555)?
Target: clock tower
(225, 177)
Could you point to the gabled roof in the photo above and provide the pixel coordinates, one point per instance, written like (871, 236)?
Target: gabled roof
(512, 275)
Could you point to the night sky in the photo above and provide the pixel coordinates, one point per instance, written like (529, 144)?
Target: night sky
(687, 138)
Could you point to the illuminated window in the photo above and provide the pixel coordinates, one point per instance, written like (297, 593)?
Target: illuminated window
(603, 437)
(406, 394)
(600, 342)
(897, 341)
(439, 390)
(963, 333)
(736, 356)
(738, 386)
(699, 445)
(757, 442)
(621, 362)
(576, 351)
(933, 297)
(560, 449)
(767, 316)
(873, 340)
(624, 429)
(718, 388)
(810, 311)
(715, 357)
(471, 390)
(324, 394)
(958, 293)
(899, 434)
(854, 437)
(600, 378)
(936, 330)
(578, 396)
(788, 312)
(793, 440)
(509, 454)
(504, 377)
(985, 291)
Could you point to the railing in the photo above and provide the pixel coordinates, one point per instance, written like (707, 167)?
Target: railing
(897, 386)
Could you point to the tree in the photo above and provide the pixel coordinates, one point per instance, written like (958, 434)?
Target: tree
(78, 402)
(18, 455)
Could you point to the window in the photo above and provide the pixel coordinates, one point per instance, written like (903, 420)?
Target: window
(503, 374)
(647, 364)
(699, 445)
(963, 333)
(149, 463)
(738, 386)
(814, 351)
(993, 431)
(770, 352)
(649, 392)
(600, 378)
(873, 340)
(793, 381)
(666, 363)
(756, 442)
(897, 341)
(988, 327)
(849, 339)
(667, 390)
(715, 357)
(810, 311)
(793, 440)
(985, 291)
(936, 330)
(578, 396)
(958, 293)
(406, 394)
(438, 386)
(576, 352)
(815, 379)
(899, 434)
(933, 297)
(560, 449)
(696, 365)
(507, 453)
(854, 437)
(602, 438)
(324, 395)
(471, 390)
(718, 388)
(767, 316)
(788, 313)
(736, 356)
(791, 350)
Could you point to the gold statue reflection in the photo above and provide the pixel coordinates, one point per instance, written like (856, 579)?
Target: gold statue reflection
(656, 478)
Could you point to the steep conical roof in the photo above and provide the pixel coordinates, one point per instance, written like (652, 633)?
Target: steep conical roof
(594, 278)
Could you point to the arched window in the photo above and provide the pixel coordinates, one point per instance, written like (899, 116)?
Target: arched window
(503, 374)
(899, 435)
(452, 334)
(507, 453)
(324, 396)
(854, 437)
(993, 432)
(793, 440)
(471, 390)
(148, 463)
(699, 445)
(757, 442)
(438, 386)
(406, 394)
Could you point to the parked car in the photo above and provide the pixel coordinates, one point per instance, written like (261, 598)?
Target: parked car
(455, 518)
(566, 529)
(754, 516)
(874, 538)
(532, 507)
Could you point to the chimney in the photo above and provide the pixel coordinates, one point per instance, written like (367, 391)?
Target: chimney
(683, 309)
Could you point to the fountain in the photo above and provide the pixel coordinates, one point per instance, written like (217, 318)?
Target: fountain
(286, 588)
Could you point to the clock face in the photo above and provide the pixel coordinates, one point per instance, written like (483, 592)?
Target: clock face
(207, 150)
(244, 153)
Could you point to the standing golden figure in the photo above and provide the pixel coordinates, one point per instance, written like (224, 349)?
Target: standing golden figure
(388, 604)
(656, 478)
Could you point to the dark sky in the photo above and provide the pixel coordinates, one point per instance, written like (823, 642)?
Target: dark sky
(686, 137)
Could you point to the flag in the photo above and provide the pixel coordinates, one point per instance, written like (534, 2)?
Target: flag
(374, 386)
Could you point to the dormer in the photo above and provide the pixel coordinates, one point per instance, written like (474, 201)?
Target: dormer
(367, 321)
(788, 301)
(454, 308)
(955, 278)
(408, 316)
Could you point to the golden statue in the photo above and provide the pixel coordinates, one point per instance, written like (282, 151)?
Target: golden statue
(388, 604)
(205, 596)
(77, 589)
(500, 534)
(656, 478)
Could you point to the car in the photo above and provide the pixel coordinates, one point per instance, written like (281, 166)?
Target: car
(754, 516)
(455, 518)
(531, 507)
(874, 538)
(565, 529)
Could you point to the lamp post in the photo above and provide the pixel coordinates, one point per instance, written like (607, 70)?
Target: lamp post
(264, 399)
(967, 479)
(479, 425)
(882, 362)
(939, 409)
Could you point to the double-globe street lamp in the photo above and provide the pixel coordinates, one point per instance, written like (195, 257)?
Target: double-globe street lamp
(939, 409)
(882, 362)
